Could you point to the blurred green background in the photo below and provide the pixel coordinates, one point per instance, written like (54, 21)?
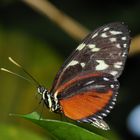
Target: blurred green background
(41, 46)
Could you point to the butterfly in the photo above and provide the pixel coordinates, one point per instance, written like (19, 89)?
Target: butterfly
(86, 86)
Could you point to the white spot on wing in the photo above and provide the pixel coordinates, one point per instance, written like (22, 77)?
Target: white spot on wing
(113, 73)
(82, 64)
(105, 29)
(113, 39)
(112, 86)
(113, 103)
(124, 38)
(100, 117)
(90, 82)
(72, 63)
(118, 46)
(102, 65)
(103, 114)
(106, 79)
(124, 54)
(108, 111)
(110, 107)
(93, 48)
(115, 32)
(114, 99)
(104, 35)
(81, 46)
(95, 35)
(124, 45)
(118, 65)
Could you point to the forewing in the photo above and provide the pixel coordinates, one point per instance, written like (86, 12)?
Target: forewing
(104, 50)
(88, 96)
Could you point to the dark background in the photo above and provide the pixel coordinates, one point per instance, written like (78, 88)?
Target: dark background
(41, 47)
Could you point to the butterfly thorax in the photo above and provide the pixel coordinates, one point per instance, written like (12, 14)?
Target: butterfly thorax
(50, 101)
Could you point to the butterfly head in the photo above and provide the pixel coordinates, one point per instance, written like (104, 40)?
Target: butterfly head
(49, 100)
(42, 91)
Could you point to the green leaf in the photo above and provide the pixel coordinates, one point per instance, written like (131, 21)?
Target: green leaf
(14, 132)
(62, 130)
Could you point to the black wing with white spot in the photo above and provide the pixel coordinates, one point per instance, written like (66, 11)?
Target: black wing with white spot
(104, 50)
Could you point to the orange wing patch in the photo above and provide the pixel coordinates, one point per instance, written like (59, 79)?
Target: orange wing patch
(85, 104)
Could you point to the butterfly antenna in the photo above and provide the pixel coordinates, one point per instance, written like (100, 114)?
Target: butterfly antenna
(6, 70)
(25, 71)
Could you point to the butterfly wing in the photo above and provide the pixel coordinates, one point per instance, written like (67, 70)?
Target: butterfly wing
(104, 50)
(88, 97)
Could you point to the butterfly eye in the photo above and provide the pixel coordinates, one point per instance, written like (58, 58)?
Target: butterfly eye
(41, 90)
